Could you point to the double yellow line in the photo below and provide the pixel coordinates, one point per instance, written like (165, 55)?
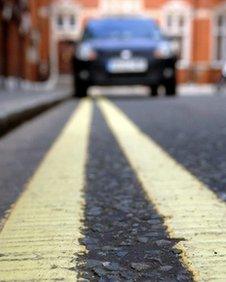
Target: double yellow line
(41, 237)
(190, 210)
(40, 240)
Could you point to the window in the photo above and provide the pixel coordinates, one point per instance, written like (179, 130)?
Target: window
(220, 38)
(66, 22)
(60, 21)
(177, 17)
(72, 20)
(176, 27)
(65, 19)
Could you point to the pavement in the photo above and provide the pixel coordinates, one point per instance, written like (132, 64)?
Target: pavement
(18, 105)
(188, 89)
(116, 189)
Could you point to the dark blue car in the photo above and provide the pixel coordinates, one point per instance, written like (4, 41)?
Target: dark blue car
(124, 51)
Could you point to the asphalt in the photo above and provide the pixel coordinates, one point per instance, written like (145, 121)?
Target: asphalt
(123, 232)
(22, 150)
(191, 129)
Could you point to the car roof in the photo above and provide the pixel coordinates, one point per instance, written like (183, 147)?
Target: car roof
(108, 21)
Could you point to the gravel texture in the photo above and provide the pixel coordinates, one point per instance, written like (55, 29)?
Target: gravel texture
(123, 233)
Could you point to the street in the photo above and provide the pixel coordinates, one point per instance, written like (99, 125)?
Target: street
(124, 188)
(113, 140)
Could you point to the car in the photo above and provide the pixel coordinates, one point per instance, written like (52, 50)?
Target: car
(124, 51)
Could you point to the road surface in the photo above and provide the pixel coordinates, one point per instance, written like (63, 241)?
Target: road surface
(116, 189)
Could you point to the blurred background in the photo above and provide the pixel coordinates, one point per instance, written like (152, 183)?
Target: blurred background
(37, 37)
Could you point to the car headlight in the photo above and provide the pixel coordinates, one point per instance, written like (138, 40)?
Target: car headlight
(86, 53)
(166, 51)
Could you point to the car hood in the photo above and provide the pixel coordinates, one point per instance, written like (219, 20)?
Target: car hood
(131, 44)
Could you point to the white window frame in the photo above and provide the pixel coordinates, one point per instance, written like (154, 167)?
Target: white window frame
(177, 9)
(220, 11)
(58, 26)
(66, 21)
(66, 9)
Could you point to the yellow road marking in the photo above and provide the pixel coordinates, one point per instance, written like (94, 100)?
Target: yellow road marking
(40, 239)
(190, 210)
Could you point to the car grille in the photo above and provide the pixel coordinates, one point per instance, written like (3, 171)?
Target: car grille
(117, 53)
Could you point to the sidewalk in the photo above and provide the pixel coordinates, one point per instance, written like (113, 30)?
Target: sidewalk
(18, 105)
(188, 89)
(191, 89)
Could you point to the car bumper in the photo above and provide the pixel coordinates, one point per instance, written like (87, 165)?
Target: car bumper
(95, 73)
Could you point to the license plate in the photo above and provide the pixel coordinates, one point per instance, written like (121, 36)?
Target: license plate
(127, 66)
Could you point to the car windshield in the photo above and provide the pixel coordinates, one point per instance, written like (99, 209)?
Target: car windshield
(122, 29)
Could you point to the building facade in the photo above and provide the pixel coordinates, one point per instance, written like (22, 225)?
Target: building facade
(37, 36)
(24, 37)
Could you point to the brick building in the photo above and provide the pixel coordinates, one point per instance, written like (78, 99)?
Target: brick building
(37, 36)
(24, 37)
